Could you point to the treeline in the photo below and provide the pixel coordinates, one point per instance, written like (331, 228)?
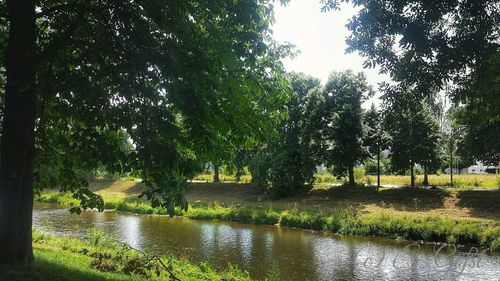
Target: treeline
(326, 125)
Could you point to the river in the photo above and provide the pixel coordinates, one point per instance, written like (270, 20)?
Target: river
(300, 254)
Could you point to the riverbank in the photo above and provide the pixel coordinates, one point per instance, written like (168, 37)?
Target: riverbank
(344, 217)
(98, 257)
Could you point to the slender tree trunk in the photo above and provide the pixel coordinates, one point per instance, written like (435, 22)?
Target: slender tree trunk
(216, 173)
(351, 176)
(412, 175)
(451, 169)
(238, 175)
(17, 146)
(426, 178)
(378, 168)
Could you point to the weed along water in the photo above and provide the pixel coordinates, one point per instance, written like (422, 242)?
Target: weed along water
(300, 254)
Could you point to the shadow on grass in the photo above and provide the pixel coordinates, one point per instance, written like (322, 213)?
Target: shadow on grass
(481, 203)
(21, 273)
(222, 192)
(407, 199)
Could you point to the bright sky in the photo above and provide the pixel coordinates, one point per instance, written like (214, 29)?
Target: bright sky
(320, 38)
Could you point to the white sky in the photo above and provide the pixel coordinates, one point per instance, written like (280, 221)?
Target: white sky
(320, 38)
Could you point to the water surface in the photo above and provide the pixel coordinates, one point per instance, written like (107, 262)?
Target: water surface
(300, 254)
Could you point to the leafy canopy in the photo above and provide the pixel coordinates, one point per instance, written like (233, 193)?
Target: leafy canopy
(342, 120)
(288, 160)
(432, 45)
(148, 86)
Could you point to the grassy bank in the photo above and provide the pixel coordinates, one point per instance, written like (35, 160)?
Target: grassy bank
(342, 220)
(98, 257)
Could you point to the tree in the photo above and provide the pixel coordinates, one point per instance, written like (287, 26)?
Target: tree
(343, 95)
(413, 129)
(18, 141)
(424, 44)
(477, 114)
(376, 138)
(288, 161)
(141, 87)
(431, 45)
(239, 162)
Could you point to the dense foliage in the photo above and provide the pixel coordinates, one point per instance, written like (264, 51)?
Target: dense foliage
(429, 46)
(414, 132)
(289, 161)
(342, 121)
(147, 87)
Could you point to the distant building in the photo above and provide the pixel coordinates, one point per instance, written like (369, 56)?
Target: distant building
(479, 168)
(321, 168)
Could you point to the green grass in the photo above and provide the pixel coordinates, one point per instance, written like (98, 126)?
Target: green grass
(209, 177)
(65, 258)
(343, 220)
(459, 180)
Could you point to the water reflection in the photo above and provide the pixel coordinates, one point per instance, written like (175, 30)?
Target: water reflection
(130, 230)
(300, 254)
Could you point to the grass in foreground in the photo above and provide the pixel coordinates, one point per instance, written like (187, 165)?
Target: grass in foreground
(100, 258)
(343, 220)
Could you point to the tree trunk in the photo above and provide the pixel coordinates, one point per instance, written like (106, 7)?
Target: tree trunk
(426, 178)
(351, 176)
(412, 176)
(238, 175)
(378, 169)
(216, 173)
(451, 169)
(17, 146)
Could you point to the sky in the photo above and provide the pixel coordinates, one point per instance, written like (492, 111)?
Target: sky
(320, 38)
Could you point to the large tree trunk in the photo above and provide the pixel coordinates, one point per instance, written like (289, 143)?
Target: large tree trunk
(351, 176)
(17, 147)
(426, 177)
(216, 173)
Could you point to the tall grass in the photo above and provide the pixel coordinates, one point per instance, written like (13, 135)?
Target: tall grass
(343, 220)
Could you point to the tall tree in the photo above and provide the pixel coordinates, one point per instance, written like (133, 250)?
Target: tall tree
(343, 95)
(175, 80)
(477, 114)
(289, 161)
(413, 129)
(429, 45)
(376, 137)
(17, 150)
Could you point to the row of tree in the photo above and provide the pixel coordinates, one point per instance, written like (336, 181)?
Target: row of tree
(327, 125)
